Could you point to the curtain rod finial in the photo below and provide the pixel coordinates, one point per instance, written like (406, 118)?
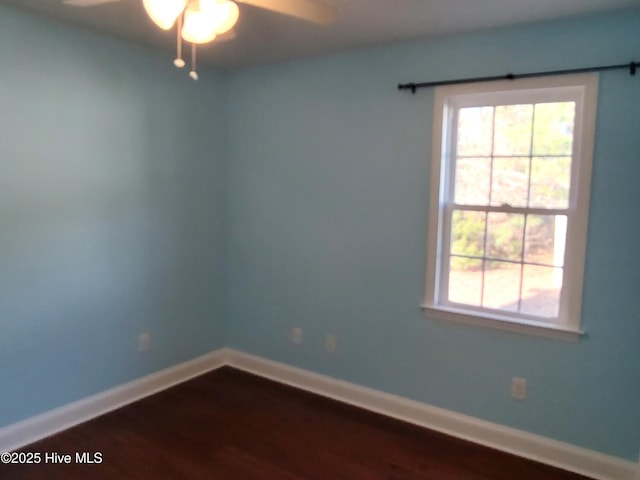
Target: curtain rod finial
(408, 86)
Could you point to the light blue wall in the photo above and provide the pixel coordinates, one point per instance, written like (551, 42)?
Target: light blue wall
(111, 218)
(328, 181)
(119, 213)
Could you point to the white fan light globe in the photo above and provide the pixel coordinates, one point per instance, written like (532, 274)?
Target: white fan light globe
(223, 13)
(164, 13)
(198, 27)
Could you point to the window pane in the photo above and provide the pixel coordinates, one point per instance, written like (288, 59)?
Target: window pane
(513, 128)
(553, 128)
(465, 280)
(541, 290)
(467, 233)
(472, 181)
(501, 285)
(510, 181)
(545, 239)
(504, 236)
(550, 179)
(475, 130)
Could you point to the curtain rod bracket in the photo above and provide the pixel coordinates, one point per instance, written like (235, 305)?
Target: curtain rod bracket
(632, 68)
(408, 86)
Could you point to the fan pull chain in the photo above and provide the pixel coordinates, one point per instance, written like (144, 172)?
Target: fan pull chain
(179, 61)
(193, 74)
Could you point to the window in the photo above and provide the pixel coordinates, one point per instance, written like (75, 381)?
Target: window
(511, 172)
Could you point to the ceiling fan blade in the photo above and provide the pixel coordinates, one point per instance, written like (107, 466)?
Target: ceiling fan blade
(305, 9)
(86, 3)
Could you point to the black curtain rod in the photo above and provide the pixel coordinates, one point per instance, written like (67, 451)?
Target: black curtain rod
(632, 67)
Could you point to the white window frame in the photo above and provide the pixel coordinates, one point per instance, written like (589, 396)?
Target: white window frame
(583, 89)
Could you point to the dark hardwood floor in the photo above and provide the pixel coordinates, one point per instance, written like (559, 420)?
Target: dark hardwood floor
(231, 425)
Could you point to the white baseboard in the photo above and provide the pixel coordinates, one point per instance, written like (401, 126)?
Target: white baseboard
(552, 452)
(36, 428)
(535, 447)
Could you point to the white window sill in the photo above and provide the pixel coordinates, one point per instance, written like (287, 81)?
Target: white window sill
(530, 327)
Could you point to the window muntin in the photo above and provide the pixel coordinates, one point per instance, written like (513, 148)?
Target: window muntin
(512, 170)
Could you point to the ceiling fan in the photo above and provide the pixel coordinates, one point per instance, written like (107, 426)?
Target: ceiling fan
(201, 21)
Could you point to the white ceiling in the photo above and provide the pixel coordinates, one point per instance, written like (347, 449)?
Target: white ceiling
(265, 37)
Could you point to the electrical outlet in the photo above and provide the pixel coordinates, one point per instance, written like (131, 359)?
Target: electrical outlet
(331, 343)
(144, 342)
(296, 335)
(518, 388)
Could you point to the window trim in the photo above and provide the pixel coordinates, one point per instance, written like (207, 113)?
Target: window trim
(586, 87)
